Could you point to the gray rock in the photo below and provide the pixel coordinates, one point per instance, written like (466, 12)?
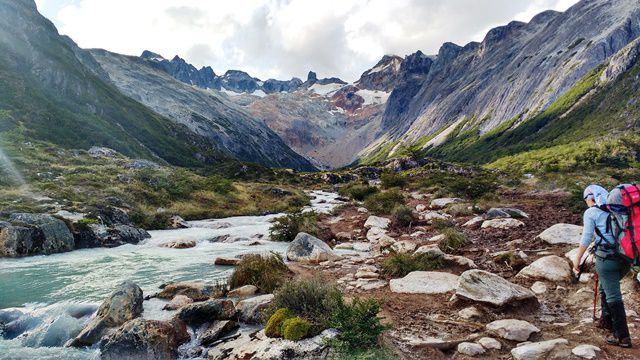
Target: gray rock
(512, 329)
(404, 247)
(49, 235)
(552, 268)
(424, 282)
(122, 305)
(207, 311)
(243, 291)
(16, 241)
(540, 350)
(502, 223)
(308, 248)
(443, 202)
(176, 222)
(142, 164)
(178, 302)
(377, 221)
(490, 343)
(495, 213)
(195, 290)
(102, 152)
(483, 286)
(250, 310)
(586, 351)
(562, 234)
(470, 349)
(179, 244)
(145, 339)
(216, 330)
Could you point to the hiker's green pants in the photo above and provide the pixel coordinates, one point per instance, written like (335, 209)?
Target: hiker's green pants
(610, 272)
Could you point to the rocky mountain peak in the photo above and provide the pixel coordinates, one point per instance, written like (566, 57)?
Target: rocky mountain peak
(383, 76)
(150, 55)
(312, 77)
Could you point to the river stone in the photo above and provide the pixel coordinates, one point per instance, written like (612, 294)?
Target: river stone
(195, 290)
(216, 330)
(512, 329)
(495, 213)
(404, 247)
(470, 349)
(483, 286)
(226, 261)
(16, 241)
(50, 235)
(122, 305)
(243, 291)
(207, 311)
(178, 302)
(145, 339)
(443, 202)
(179, 244)
(552, 268)
(250, 310)
(501, 223)
(562, 234)
(540, 350)
(99, 235)
(424, 282)
(377, 221)
(308, 248)
(586, 351)
(490, 343)
(176, 222)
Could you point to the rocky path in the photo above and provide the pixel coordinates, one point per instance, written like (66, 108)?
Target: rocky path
(507, 293)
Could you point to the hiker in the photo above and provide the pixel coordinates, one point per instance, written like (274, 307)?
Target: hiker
(610, 266)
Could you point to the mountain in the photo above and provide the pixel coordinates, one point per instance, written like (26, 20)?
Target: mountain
(51, 90)
(516, 73)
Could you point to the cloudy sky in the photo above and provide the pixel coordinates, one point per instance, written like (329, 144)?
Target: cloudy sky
(284, 38)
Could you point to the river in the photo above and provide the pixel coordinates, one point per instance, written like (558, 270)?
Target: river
(46, 300)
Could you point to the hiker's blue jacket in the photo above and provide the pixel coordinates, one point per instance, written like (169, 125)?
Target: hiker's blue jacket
(595, 217)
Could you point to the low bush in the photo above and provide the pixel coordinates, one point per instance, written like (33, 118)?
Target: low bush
(358, 191)
(453, 240)
(358, 324)
(296, 329)
(399, 265)
(286, 228)
(274, 325)
(511, 259)
(393, 179)
(403, 215)
(265, 272)
(309, 299)
(441, 224)
(458, 210)
(472, 186)
(384, 202)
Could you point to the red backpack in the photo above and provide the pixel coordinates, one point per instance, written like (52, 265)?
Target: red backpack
(624, 207)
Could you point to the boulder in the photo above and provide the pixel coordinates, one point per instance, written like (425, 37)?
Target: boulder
(386, 241)
(362, 246)
(102, 152)
(469, 313)
(571, 255)
(375, 233)
(310, 249)
(178, 302)
(48, 236)
(586, 351)
(552, 268)
(470, 349)
(490, 343)
(562, 234)
(443, 202)
(512, 329)
(540, 350)
(101, 235)
(179, 244)
(365, 274)
(377, 221)
(501, 223)
(145, 339)
(404, 247)
(207, 311)
(495, 213)
(429, 216)
(216, 330)
(483, 286)
(432, 249)
(226, 261)
(250, 310)
(474, 221)
(197, 291)
(243, 291)
(424, 282)
(16, 241)
(142, 164)
(176, 222)
(122, 305)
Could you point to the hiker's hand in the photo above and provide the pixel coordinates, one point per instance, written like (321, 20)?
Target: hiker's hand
(576, 265)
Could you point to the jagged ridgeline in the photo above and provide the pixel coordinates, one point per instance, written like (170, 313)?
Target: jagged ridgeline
(53, 91)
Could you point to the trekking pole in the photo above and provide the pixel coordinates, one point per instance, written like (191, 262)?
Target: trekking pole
(595, 298)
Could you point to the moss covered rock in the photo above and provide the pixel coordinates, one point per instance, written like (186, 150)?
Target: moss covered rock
(295, 329)
(274, 325)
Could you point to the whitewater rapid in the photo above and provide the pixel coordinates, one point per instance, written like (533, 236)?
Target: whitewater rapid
(46, 300)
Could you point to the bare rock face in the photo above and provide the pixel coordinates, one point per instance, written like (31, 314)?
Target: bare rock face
(483, 286)
(145, 339)
(122, 305)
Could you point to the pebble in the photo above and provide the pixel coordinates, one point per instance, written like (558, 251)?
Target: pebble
(585, 351)
(539, 287)
(469, 313)
(470, 349)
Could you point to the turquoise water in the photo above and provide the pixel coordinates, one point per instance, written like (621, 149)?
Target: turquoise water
(49, 298)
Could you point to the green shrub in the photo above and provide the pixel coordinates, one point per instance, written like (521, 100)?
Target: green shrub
(472, 186)
(441, 224)
(358, 191)
(265, 272)
(511, 259)
(295, 329)
(458, 210)
(384, 202)
(399, 265)
(286, 228)
(310, 299)
(358, 323)
(403, 215)
(392, 179)
(453, 240)
(274, 325)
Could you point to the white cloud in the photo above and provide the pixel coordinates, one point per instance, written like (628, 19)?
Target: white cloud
(284, 38)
